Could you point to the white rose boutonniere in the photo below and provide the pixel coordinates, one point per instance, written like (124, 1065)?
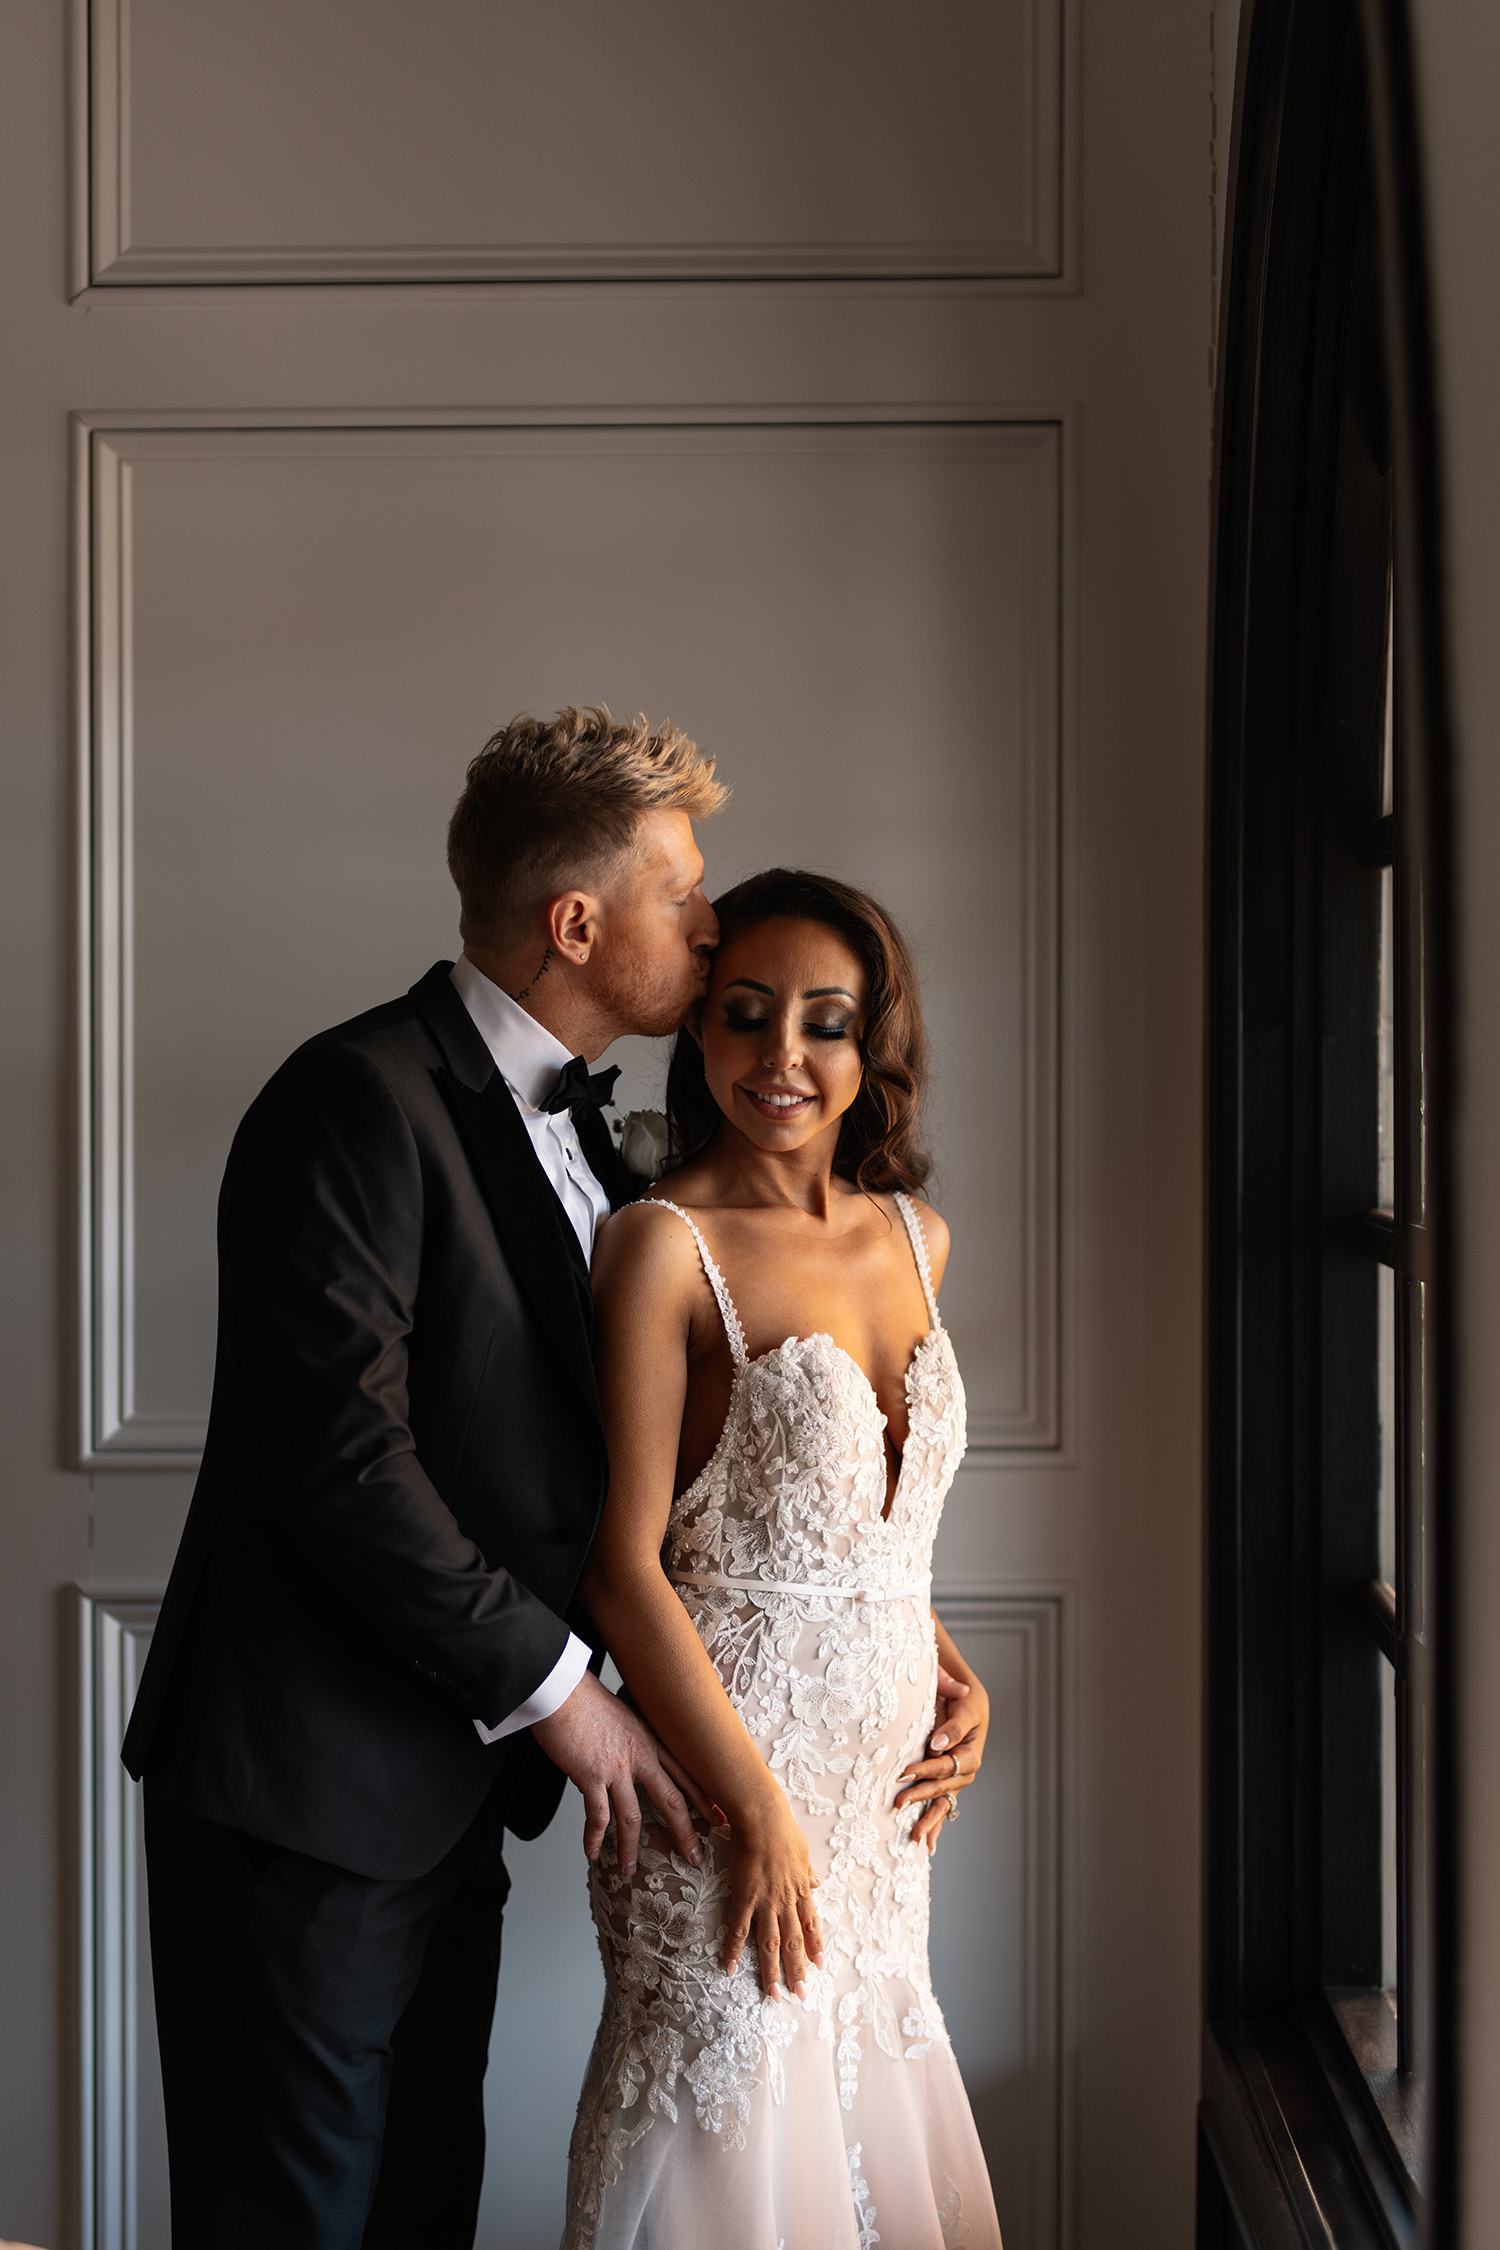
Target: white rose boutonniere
(643, 1142)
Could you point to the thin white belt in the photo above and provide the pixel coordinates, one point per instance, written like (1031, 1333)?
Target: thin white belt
(920, 1592)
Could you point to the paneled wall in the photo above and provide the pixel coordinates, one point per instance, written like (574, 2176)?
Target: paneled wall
(998, 1915)
(292, 629)
(369, 139)
(832, 382)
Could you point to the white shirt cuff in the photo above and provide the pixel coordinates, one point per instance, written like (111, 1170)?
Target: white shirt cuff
(549, 1697)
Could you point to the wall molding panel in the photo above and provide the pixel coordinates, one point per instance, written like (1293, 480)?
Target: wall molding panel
(113, 1635)
(958, 140)
(1033, 2158)
(1020, 1638)
(128, 1420)
(112, 1429)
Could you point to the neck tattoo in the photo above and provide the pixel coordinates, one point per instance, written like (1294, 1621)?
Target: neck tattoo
(536, 980)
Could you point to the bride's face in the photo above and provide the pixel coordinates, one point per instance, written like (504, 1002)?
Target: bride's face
(780, 1032)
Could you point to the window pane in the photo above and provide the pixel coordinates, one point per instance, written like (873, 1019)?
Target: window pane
(1388, 755)
(1414, 1065)
(1386, 1190)
(1411, 1422)
(1386, 1315)
(1412, 1765)
(1388, 1831)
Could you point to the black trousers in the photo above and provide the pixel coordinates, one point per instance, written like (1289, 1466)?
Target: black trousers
(323, 2039)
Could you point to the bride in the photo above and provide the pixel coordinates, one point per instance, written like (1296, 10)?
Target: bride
(785, 1417)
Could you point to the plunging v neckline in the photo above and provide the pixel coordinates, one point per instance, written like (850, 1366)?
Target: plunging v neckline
(748, 1366)
(743, 1363)
(821, 1336)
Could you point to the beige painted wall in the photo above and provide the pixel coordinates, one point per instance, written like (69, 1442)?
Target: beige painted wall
(1103, 1523)
(1458, 75)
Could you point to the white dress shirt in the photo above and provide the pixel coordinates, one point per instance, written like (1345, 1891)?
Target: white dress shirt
(528, 1058)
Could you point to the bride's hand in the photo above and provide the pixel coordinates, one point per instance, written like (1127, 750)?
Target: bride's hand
(771, 1886)
(955, 1754)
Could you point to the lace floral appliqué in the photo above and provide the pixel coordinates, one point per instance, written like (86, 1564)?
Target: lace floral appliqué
(835, 1681)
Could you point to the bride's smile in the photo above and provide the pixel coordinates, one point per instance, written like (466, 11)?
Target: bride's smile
(778, 1103)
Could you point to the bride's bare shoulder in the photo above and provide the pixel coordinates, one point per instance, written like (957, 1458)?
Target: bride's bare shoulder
(935, 1233)
(643, 1250)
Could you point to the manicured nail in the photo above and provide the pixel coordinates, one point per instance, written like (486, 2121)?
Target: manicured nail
(940, 1742)
(800, 1990)
(696, 1855)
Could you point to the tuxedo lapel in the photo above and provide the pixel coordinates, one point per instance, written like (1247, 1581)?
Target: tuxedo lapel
(517, 1193)
(521, 1204)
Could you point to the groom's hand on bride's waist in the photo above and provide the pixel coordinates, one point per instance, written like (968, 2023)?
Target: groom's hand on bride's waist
(610, 1754)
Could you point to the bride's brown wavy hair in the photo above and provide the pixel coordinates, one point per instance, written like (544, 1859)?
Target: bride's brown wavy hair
(878, 1146)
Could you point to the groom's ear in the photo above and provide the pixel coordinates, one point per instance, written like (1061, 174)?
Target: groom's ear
(573, 926)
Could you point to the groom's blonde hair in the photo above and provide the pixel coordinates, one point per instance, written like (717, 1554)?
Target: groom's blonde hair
(552, 802)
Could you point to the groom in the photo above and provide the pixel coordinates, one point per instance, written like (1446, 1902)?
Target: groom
(370, 1662)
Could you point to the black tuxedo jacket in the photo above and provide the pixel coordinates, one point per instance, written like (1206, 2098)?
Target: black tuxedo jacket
(405, 1460)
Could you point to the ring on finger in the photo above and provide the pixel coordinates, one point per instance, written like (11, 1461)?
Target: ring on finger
(957, 1768)
(952, 1812)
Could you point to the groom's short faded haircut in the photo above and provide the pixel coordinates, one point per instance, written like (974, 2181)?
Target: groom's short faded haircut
(552, 802)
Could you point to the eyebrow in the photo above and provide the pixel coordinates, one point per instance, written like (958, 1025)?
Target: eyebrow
(817, 991)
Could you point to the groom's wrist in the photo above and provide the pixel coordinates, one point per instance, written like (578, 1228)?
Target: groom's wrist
(549, 1697)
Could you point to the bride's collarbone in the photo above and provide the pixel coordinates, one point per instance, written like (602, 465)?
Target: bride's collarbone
(881, 1355)
(858, 1285)
(873, 1310)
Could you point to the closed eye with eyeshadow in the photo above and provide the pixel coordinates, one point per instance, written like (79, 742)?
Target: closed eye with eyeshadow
(736, 1022)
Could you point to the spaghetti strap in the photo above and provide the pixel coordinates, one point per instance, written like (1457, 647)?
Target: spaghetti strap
(732, 1328)
(918, 1239)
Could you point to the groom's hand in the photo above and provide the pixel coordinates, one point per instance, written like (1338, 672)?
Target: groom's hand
(608, 1753)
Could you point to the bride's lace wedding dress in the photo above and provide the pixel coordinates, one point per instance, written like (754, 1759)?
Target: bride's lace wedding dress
(711, 2115)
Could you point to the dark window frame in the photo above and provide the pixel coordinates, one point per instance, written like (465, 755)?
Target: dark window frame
(1310, 470)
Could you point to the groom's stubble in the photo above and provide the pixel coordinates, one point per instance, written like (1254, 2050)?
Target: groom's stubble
(647, 997)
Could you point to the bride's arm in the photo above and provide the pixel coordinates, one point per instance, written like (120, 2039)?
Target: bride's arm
(646, 1285)
(955, 1746)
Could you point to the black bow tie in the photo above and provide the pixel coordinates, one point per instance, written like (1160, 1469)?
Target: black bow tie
(575, 1089)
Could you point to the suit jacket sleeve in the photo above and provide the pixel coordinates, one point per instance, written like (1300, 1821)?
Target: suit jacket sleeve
(320, 1248)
